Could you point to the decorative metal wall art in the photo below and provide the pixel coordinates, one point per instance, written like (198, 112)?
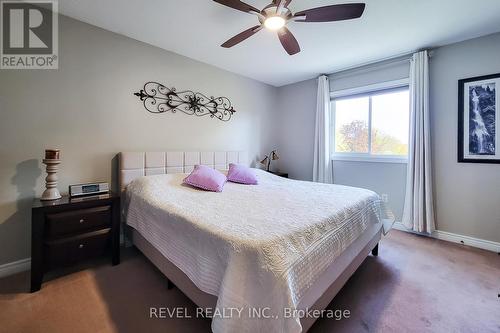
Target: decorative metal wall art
(159, 99)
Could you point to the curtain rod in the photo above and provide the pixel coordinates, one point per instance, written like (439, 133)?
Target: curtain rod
(397, 58)
(388, 61)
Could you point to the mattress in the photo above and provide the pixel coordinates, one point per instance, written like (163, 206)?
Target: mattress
(253, 247)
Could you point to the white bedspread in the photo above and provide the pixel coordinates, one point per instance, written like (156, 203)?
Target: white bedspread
(252, 246)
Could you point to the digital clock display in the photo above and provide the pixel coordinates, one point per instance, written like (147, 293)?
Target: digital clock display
(87, 189)
(90, 188)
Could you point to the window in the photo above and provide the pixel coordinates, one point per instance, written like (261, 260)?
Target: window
(371, 125)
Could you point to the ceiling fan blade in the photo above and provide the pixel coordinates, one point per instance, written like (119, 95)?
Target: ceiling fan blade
(331, 13)
(242, 36)
(288, 41)
(238, 5)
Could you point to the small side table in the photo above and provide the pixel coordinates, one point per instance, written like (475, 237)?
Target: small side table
(69, 230)
(278, 173)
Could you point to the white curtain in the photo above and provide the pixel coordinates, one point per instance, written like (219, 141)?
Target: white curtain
(322, 167)
(418, 213)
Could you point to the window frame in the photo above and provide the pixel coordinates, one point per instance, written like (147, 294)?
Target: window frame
(368, 90)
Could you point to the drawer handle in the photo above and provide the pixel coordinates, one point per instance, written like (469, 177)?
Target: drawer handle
(80, 246)
(82, 220)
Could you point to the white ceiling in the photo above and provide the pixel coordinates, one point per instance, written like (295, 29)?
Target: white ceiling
(196, 28)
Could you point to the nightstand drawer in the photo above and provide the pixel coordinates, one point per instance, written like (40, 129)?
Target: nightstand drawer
(77, 221)
(70, 250)
(69, 230)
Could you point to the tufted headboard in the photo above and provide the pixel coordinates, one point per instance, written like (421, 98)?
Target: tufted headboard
(137, 164)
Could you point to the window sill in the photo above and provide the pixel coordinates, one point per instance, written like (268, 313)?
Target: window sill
(371, 159)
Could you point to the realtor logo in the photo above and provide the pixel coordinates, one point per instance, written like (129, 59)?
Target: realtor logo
(29, 35)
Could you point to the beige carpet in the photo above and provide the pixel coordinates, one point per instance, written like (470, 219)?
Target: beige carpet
(416, 284)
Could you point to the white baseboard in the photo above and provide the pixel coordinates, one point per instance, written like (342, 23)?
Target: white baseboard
(400, 226)
(455, 238)
(15, 267)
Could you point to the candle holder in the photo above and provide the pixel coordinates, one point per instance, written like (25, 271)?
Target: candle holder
(51, 192)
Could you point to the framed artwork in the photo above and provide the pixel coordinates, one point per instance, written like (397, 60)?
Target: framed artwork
(478, 118)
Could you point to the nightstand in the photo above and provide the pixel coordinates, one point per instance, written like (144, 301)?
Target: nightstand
(281, 174)
(70, 230)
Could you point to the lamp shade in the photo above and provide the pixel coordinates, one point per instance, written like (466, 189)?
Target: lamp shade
(274, 155)
(265, 161)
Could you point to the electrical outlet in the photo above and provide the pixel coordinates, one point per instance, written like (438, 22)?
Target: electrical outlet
(385, 197)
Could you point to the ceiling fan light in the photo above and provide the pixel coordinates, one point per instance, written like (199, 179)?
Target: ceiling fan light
(274, 22)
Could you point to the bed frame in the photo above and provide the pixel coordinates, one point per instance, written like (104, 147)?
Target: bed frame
(138, 164)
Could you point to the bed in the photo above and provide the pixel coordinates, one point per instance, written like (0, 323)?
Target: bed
(257, 255)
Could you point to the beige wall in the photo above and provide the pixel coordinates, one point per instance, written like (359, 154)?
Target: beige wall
(467, 194)
(87, 109)
(295, 117)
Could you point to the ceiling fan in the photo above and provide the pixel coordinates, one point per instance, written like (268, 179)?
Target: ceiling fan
(277, 15)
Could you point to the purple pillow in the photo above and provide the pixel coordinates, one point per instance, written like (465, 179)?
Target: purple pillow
(206, 178)
(241, 174)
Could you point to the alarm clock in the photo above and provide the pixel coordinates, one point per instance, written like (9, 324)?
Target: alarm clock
(88, 189)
